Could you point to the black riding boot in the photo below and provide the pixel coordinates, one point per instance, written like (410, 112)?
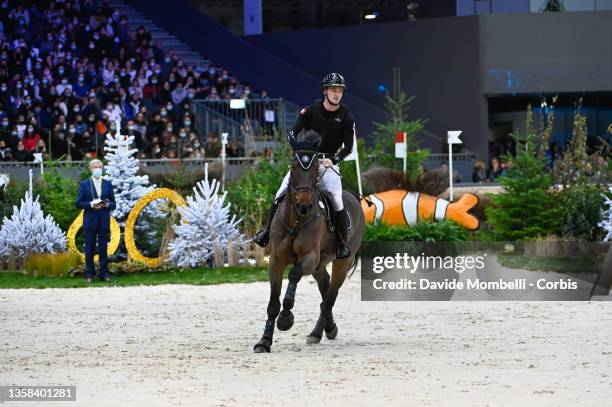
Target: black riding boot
(342, 223)
(263, 236)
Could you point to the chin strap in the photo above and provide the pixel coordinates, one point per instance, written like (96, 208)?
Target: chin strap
(330, 102)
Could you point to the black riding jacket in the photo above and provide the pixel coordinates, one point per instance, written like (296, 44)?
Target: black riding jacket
(334, 128)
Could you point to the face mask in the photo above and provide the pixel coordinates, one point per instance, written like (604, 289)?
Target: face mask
(19, 86)
(97, 172)
(169, 106)
(169, 128)
(167, 60)
(131, 127)
(187, 123)
(183, 134)
(158, 71)
(197, 145)
(73, 47)
(154, 81)
(5, 124)
(61, 71)
(3, 88)
(191, 96)
(87, 28)
(30, 129)
(163, 113)
(71, 130)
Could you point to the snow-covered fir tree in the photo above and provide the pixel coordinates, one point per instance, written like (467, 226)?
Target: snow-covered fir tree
(205, 221)
(606, 223)
(122, 171)
(28, 230)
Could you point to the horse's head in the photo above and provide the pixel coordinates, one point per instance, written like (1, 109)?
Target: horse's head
(304, 169)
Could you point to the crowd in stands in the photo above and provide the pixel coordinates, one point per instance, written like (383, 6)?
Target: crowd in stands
(70, 69)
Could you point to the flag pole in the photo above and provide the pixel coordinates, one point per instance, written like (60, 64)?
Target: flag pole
(357, 165)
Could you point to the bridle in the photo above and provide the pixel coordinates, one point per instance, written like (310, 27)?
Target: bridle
(312, 213)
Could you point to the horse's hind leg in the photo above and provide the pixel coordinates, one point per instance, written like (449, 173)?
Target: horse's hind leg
(276, 281)
(323, 281)
(285, 319)
(339, 270)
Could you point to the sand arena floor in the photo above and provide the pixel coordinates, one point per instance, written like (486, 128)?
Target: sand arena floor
(181, 345)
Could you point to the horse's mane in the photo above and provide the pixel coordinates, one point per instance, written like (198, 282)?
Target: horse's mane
(432, 182)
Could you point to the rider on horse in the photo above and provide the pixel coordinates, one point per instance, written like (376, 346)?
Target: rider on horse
(336, 126)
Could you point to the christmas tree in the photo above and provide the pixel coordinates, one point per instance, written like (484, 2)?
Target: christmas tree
(606, 223)
(29, 231)
(205, 222)
(527, 208)
(121, 170)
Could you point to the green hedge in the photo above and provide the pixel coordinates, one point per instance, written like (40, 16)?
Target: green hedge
(424, 231)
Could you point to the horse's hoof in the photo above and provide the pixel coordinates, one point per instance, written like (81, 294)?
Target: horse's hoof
(263, 346)
(312, 340)
(285, 321)
(332, 333)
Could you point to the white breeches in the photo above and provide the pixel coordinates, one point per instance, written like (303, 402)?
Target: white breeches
(329, 180)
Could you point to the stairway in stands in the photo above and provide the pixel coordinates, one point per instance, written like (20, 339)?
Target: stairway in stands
(168, 41)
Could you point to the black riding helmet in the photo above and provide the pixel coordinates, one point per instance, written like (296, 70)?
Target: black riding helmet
(333, 79)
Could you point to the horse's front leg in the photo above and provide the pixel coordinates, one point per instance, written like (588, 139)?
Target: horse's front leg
(275, 272)
(326, 320)
(303, 266)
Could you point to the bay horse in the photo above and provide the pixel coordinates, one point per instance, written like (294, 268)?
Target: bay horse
(299, 235)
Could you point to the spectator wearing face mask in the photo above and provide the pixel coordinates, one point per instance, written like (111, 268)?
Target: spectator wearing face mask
(179, 94)
(41, 148)
(80, 88)
(165, 94)
(42, 116)
(172, 114)
(198, 150)
(5, 128)
(168, 133)
(20, 154)
(112, 111)
(188, 123)
(31, 138)
(63, 86)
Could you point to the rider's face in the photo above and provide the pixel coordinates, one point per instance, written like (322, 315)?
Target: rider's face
(334, 94)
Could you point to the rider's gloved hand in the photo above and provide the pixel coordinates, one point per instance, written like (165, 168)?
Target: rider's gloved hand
(327, 162)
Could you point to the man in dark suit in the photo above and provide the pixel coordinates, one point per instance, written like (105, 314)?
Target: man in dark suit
(96, 198)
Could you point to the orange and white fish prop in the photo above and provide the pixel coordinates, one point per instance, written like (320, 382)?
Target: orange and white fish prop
(399, 207)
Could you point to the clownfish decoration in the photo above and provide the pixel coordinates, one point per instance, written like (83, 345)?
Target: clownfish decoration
(401, 207)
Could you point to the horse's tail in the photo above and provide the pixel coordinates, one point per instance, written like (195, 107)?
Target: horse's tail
(354, 263)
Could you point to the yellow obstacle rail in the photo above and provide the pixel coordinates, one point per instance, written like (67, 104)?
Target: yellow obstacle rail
(130, 244)
(115, 237)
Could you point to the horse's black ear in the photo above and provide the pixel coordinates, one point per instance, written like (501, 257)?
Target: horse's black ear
(304, 146)
(312, 137)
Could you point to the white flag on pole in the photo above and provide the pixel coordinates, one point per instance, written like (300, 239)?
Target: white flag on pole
(353, 155)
